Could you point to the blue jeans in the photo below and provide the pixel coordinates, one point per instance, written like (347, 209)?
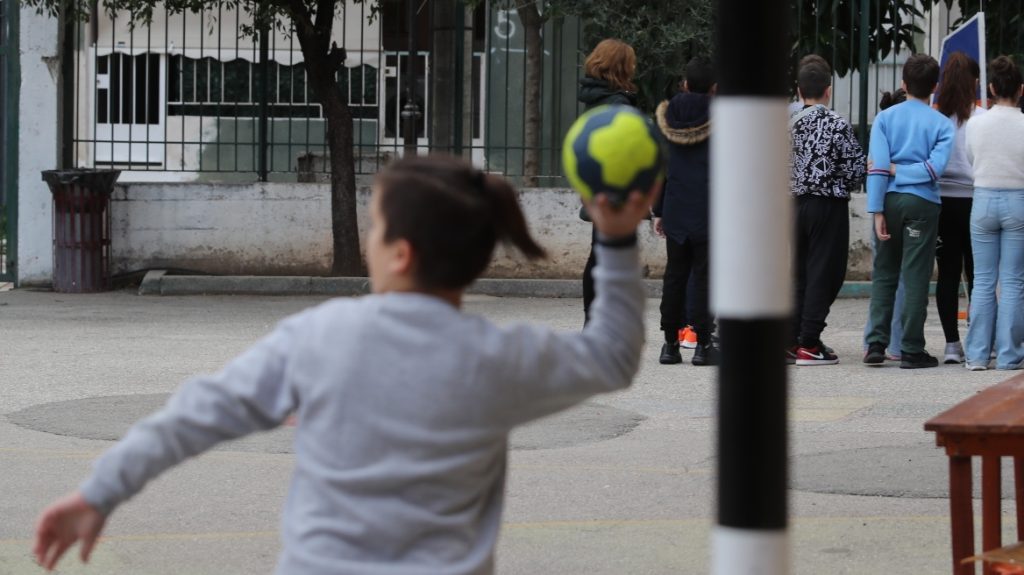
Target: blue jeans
(896, 328)
(997, 239)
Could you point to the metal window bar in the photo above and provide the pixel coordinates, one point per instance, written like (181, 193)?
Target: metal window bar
(201, 64)
(8, 96)
(495, 141)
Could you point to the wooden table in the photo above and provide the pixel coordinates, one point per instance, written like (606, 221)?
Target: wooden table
(989, 425)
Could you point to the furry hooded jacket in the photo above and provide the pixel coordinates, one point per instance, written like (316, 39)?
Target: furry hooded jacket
(685, 121)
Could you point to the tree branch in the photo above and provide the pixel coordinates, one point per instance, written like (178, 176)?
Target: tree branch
(336, 57)
(299, 14)
(324, 18)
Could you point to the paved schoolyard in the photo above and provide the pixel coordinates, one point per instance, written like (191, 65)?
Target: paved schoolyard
(623, 484)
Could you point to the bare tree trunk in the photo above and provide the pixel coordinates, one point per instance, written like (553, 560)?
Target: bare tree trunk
(322, 62)
(344, 222)
(532, 26)
(443, 82)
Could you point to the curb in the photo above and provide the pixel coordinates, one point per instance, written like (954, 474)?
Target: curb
(158, 282)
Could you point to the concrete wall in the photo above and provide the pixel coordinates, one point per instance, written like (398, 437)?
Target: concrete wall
(238, 229)
(284, 229)
(37, 144)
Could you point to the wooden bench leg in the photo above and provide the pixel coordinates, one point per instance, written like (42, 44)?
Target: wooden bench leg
(1018, 488)
(961, 513)
(991, 508)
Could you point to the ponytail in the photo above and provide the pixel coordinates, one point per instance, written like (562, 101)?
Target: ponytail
(452, 215)
(509, 221)
(890, 99)
(957, 90)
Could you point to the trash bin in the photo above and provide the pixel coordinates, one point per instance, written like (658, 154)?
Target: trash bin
(81, 228)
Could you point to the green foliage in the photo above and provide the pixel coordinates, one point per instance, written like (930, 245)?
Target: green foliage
(272, 13)
(831, 28)
(664, 33)
(1004, 26)
(548, 8)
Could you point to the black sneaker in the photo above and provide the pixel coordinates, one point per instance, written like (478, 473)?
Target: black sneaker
(705, 355)
(918, 360)
(875, 354)
(670, 354)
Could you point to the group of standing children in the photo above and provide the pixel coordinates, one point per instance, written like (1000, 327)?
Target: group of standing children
(945, 183)
(948, 183)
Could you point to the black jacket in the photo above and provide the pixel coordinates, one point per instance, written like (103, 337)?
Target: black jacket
(683, 207)
(596, 92)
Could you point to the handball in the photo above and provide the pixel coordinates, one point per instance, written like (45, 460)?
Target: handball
(613, 150)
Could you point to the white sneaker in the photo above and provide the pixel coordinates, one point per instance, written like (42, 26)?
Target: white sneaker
(975, 366)
(954, 353)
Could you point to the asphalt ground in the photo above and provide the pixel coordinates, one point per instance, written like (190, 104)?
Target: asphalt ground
(622, 484)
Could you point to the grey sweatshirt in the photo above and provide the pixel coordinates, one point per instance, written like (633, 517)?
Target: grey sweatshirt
(404, 406)
(957, 181)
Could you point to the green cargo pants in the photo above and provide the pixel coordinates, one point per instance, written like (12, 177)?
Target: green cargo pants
(913, 223)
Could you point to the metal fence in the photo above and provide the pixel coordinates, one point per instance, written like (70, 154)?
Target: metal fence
(8, 136)
(179, 98)
(868, 41)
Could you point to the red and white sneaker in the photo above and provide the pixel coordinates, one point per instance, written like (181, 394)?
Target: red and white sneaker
(687, 338)
(791, 354)
(817, 355)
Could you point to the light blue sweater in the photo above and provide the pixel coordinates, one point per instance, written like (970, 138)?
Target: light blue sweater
(404, 406)
(918, 140)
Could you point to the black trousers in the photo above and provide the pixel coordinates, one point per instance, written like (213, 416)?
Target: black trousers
(953, 254)
(819, 268)
(687, 264)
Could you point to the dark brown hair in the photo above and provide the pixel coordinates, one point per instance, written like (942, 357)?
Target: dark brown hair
(958, 89)
(700, 75)
(1004, 76)
(921, 73)
(452, 215)
(613, 61)
(890, 99)
(813, 77)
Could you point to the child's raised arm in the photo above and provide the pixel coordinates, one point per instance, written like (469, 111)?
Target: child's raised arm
(549, 372)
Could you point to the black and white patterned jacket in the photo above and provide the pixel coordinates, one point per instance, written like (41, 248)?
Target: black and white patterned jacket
(827, 160)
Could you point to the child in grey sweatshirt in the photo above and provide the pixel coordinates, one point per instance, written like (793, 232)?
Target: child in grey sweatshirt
(404, 403)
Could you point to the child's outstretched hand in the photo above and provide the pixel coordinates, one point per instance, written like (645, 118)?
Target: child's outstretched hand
(65, 521)
(621, 221)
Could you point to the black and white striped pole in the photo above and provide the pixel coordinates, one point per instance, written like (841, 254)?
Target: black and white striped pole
(751, 215)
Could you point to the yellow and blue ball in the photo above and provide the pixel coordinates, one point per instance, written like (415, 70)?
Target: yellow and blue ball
(613, 150)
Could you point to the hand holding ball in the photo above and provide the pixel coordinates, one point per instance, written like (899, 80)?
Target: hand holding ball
(613, 150)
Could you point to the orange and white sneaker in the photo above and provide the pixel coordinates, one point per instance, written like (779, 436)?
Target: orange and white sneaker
(687, 338)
